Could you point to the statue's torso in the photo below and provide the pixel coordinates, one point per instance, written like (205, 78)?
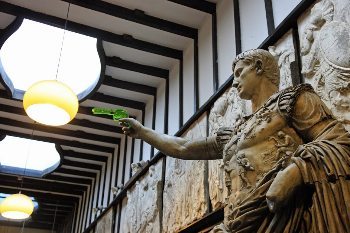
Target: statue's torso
(257, 145)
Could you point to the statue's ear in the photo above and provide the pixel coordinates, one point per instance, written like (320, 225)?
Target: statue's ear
(258, 67)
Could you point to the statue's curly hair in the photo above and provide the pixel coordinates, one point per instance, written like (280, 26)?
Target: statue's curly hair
(269, 64)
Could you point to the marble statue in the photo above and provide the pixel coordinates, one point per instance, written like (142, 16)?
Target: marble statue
(287, 164)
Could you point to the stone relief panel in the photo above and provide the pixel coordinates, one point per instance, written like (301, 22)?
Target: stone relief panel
(184, 197)
(226, 110)
(104, 225)
(141, 214)
(325, 49)
(284, 53)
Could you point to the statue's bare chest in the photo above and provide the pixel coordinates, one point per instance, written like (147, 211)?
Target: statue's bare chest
(257, 145)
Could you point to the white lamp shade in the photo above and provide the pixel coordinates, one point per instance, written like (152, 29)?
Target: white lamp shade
(17, 206)
(50, 102)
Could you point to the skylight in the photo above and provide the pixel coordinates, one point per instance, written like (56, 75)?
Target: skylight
(27, 157)
(32, 53)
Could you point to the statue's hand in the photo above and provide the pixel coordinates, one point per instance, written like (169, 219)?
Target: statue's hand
(131, 127)
(283, 187)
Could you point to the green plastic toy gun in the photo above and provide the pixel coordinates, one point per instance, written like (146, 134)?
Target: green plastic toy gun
(116, 113)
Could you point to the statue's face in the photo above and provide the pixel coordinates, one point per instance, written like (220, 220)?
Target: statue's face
(245, 79)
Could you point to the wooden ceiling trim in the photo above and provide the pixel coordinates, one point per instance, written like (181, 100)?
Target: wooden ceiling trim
(95, 125)
(29, 224)
(72, 163)
(112, 82)
(68, 200)
(137, 16)
(60, 141)
(200, 5)
(100, 97)
(41, 183)
(83, 181)
(85, 156)
(68, 171)
(49, 209)
(55, 130)
(44, 187)
(136, 67)
(77, 122)
(124, 40)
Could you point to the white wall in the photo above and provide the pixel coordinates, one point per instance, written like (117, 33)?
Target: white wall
(282, 8)
(188, 82)
(253, 23)
(205, 59)
(148, 123)
(225, 39)
(174, 105)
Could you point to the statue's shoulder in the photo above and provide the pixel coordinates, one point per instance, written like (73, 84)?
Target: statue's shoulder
(287, 98)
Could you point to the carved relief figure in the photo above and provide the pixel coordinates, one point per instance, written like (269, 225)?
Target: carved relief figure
(141, 214)
(325, 44)
(309, 191)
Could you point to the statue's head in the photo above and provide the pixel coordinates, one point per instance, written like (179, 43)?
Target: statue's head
(262, 62)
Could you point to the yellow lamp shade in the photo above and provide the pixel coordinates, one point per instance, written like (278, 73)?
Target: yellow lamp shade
(50, 102)
(16, 206)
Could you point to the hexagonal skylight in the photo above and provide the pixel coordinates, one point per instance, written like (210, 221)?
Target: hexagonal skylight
(27, 157)
(32, 53)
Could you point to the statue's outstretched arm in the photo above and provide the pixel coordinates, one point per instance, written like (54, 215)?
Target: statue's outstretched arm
(177, 147)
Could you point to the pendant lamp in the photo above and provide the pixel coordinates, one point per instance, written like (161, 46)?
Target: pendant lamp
(51, 102)
(16, 206)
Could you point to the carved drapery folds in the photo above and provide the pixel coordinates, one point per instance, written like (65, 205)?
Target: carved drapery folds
(325, 47)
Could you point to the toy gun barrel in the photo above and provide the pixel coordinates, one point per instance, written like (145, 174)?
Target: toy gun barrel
(103, 111)
(116, 113)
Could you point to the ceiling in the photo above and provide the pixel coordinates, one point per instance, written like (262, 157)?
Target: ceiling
(142, 40)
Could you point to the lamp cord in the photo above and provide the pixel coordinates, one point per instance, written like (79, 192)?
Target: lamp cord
(54, 219)
(64, 34)
(28, 152)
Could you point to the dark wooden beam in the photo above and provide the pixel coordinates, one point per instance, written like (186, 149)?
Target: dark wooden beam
(181, 98)
(41, 184)
(200, 5)
(63, 142)
(287, 24)
(113, 82)
(49, 204)
(44, 187)
(100, 97)
(137, 16)
(205, 222)
(69, 171)
(56, 130)
(78, 122)
(296, 66)
(68, 200)
(215, 52)
(269, 17)
(136, 67)
(72, 163)
(29, 224)
(51, 209)
(237, 20)
(56, 177)
(124, 40)
(85, 156)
